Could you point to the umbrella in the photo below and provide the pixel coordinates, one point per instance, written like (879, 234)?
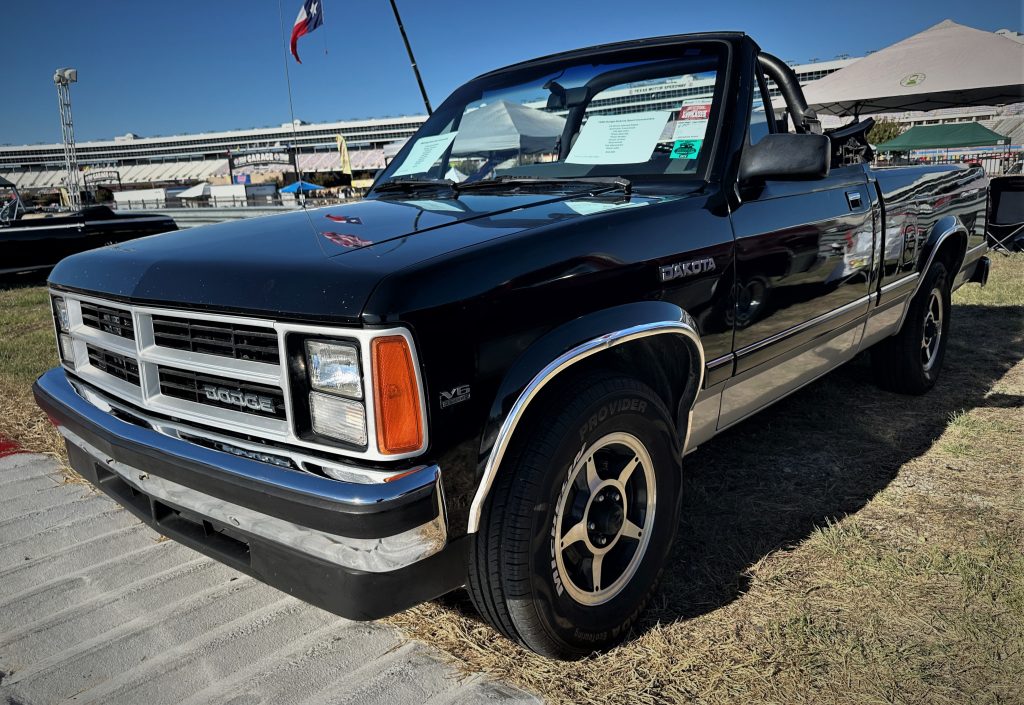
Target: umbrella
(944, 66)
(303, 186)
(504, 126)
(197, 191)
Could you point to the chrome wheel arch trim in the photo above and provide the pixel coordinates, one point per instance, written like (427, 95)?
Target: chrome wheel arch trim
(953, 229)
(686, 327)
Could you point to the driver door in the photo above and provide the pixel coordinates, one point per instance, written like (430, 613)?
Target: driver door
(803, 269)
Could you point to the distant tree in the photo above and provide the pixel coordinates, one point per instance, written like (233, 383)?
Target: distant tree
(884, 130)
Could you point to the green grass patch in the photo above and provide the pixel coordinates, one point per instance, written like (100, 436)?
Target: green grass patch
(27, 349)
(1005, 284)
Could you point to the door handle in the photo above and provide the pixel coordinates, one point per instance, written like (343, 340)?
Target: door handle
(853, 199)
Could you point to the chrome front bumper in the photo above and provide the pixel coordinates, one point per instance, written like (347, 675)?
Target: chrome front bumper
(281, 525)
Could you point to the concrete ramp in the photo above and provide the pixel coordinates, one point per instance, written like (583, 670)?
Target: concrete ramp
(97, 608)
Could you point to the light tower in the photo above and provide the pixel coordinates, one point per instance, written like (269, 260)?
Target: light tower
(63, 78)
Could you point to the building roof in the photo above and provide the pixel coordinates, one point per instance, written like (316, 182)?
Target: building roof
(964, 134)
(286, 130)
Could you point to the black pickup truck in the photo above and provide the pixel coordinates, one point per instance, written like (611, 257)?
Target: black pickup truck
(489, 373)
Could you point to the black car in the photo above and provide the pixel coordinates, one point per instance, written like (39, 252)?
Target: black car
(489, 372)
(33, 241)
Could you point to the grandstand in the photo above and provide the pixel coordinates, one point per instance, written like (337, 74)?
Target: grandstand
(363, 160)
(187, 159)
(132, 161)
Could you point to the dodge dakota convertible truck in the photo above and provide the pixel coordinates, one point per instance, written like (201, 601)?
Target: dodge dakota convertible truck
(489, 372)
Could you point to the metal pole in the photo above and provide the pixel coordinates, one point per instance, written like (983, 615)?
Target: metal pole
(291, 106)
(64, 78)
(412, 59)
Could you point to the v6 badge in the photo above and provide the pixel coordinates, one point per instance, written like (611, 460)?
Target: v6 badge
(454, 396)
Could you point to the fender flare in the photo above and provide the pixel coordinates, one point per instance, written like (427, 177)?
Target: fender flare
(561, 349)
(945, 228)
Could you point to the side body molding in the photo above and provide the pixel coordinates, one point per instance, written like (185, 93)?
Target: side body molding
(681, 324)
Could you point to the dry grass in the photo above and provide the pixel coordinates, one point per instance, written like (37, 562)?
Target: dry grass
(27, 348)
(846, 546)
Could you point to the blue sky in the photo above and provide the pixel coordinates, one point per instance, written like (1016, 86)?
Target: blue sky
(160, 68)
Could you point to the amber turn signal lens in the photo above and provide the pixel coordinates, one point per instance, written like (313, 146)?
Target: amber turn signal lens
(396, 396)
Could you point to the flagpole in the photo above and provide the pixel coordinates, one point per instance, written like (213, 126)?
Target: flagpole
(291, 107)
(412, 59)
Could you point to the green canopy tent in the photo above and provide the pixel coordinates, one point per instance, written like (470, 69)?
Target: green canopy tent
(963, 134)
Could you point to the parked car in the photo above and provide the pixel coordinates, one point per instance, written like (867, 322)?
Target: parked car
(36, 240)
(493, 381)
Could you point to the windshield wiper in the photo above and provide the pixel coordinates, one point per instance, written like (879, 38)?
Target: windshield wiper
(407, 185)
(608, 182)
(412, 184)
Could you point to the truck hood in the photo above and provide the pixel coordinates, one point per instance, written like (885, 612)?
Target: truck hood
(317, 264)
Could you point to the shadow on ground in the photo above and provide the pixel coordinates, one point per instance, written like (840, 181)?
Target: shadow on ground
(24, 279)
(816, 456)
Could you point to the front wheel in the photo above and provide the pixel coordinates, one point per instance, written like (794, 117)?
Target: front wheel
(910, 361)
(579, 525)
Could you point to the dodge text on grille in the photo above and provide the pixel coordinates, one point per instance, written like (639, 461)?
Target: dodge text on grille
(238, 398)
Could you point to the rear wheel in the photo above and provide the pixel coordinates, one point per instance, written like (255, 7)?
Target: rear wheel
(579, 525)
(910, 361)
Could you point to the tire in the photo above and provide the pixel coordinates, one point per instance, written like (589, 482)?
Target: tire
(544, 595)
(910, 361)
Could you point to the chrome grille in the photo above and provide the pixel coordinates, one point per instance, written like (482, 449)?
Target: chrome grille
(234, 340)
(159, 360)
(257, 399)
(109, 320)
(119, 366)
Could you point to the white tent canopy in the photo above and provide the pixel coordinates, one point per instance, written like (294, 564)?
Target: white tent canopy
(947, 65)
(504, 126)
(197, 191)
(455, 175)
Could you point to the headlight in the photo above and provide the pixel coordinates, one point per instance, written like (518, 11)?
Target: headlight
(339, 405)
(60, 307)
(67, 349)
(334, 367)
(339, 418)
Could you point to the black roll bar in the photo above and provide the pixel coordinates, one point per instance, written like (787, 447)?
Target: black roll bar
(805, 120)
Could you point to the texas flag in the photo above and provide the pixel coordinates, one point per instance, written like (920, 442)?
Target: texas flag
(310, 17)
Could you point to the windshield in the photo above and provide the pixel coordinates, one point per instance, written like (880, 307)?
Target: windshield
(639, 116)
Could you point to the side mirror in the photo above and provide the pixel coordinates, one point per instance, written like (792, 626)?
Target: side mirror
(785, 156)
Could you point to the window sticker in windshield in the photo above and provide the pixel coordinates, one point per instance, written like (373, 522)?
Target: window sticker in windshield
(692, 122)
(686, 149)
(424, 153)
(618, 139)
